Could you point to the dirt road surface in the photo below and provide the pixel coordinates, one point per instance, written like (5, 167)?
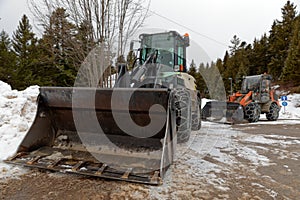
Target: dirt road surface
(247, 161)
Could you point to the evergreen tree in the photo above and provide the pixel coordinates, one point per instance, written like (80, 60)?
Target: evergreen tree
(225, 64)
(220, 66)
(198, 78)
(7, 59)
(62, 49)
(291, 71)
(280, 38)
(232, 63)
(201, 84)
(242, 63)
(258, 57)
(192, 70)
(25, 48)
(235, 44)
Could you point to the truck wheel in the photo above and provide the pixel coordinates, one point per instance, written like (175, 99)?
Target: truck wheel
(252, 112)
(196, 116)
(205, 112)
(183, 115)
(273, 114)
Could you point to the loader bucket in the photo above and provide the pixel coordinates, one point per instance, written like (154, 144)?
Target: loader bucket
(123, 134)
(218, 110)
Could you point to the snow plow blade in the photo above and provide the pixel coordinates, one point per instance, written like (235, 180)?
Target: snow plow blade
(219, 110)
(121, 134)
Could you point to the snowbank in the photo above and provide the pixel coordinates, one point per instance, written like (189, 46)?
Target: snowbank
(17, 112)
(289, 114)
(292, 110)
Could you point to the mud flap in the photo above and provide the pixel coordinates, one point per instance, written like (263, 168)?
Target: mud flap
(78, 130)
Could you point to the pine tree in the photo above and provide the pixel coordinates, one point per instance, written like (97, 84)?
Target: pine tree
(259, 58)
(62, 49)
(225, 64)
(220, 66)
(192, 70)
(201, 84)
(291, 71)
(7, 59)
(235, 44)
(232, 63)
(25, 48)
(280, 38)
(243, 63)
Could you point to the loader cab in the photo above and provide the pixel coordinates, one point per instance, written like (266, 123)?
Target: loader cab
(160, 61)
(251, 83)
(260, 85)
(168, 49)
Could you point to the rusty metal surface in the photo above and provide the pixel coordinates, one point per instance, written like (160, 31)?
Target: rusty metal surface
(43, 159)
(85, 149)
(56, 111)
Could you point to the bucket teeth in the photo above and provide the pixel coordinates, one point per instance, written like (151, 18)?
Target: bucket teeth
(34, 160)
(101, 170)
(55, 163)
(20, 154)
(155, 178)
(127, 173)
(78, 165)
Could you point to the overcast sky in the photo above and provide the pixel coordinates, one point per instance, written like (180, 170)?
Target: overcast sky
(211, 24)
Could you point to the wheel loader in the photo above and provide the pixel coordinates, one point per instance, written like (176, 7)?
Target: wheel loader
(256, 97)
(128, 132)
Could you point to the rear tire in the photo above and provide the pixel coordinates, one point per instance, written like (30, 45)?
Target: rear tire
(273, 114)
(252, 112)
(183, 115)
(196, 116)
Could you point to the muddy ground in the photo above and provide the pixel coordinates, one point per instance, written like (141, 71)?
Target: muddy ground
(257, 161)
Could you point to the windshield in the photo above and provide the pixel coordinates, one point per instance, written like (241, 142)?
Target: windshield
(159, 41)
(251, 84)
(169, 49)
(160, 44)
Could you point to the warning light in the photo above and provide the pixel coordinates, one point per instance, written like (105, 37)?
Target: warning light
(181, 69)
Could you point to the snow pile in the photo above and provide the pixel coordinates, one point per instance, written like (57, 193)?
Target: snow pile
(17, 112)
(292, 110)
(204, 101)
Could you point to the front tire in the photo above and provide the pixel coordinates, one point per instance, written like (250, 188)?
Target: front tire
(252, 112)
(183, 115)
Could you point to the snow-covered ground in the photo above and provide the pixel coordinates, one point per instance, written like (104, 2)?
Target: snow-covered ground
(289, 114)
